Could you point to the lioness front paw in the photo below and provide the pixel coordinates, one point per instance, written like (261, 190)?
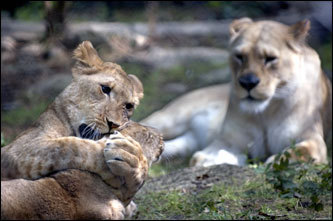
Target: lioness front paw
(125, 159)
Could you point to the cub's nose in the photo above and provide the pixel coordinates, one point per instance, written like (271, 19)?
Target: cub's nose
(112, 125)
(249, 81)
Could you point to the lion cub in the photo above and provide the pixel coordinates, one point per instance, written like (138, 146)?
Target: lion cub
(67, 135)
(75, 194)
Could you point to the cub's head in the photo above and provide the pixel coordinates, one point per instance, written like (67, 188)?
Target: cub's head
(149, 138)
(265, 60)
(101, 97)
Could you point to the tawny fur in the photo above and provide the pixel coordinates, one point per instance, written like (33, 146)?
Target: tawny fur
(53, 142)
(74, 194)
(292, 102)
(294, 96)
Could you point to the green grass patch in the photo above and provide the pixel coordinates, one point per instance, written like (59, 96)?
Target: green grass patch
(325, 53)
(3, 141)
(257, 198)
(34, 11)
(23, 115)
(18, 119)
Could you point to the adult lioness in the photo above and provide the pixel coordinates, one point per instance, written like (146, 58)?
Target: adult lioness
(279, 94)
(100, 99)
(75, 194)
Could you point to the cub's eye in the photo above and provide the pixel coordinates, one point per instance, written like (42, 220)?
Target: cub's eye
(270, 59)
(129, 106)
(106, 89)
(239, 58)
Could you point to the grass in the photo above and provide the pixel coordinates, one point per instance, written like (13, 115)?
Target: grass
(18, 119)
(3, 141)
(254, 199)
(325, 54)
(24, 115)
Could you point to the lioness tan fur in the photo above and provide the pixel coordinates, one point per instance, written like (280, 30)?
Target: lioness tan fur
(100, 98)
(74, 194)
(278, 95)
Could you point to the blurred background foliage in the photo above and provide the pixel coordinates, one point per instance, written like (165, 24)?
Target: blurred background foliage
(173, 10)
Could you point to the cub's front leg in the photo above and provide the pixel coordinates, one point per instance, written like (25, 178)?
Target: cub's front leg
(32, 160)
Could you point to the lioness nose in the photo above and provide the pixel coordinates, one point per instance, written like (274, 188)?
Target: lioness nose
(248, 81)
(112, 125)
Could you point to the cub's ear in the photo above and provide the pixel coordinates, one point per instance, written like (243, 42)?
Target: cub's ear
(300, 30)
(138, 88)
(87, 59)
(239, 24)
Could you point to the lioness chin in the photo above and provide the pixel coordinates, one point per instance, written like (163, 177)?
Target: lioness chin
(278, 95)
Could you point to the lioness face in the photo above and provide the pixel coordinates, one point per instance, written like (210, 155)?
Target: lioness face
(259, 71)
(105, 96)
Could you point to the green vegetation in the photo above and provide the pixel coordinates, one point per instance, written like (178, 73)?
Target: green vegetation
(325, 53)
(258, 198)
(23, 116)
(232, 9)
(3, 141)
(20, 118)
(34, 11)
(303, 181)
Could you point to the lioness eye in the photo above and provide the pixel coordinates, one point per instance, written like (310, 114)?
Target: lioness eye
(269, 59)
(106, 89)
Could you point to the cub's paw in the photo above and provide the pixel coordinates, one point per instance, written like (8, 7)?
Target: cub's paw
(130, 209)
(115, 211)
(125, 159)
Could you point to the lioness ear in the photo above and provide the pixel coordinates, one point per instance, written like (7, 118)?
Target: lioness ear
(300, 30)
(138, 88)
(238, 24)
(87, 57)
(298, 33)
